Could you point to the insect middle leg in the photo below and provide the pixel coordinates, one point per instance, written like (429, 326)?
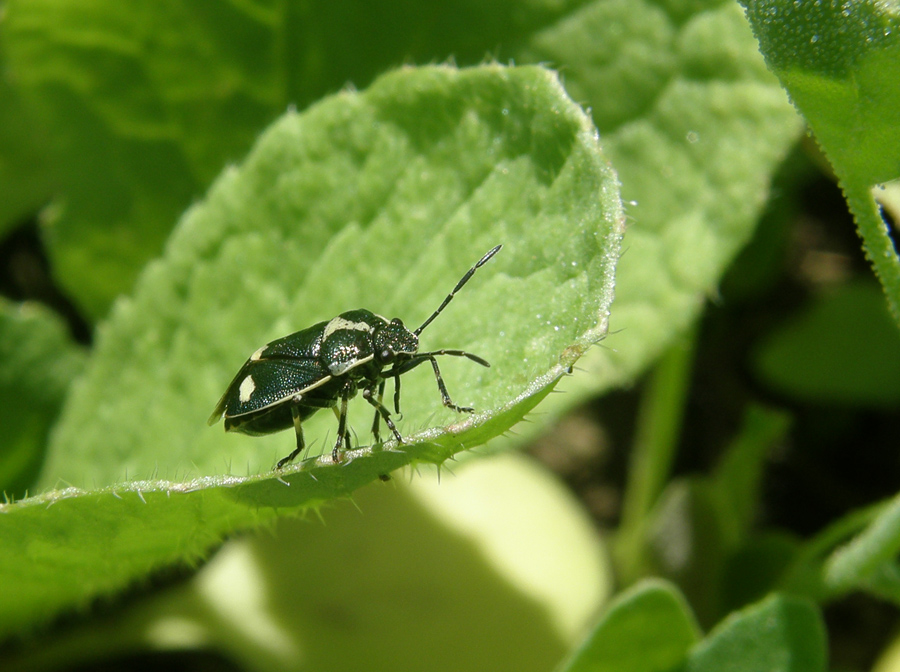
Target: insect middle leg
(376, 423)
(347, 392)
(342, 430)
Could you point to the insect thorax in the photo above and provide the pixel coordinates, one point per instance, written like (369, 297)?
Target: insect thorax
(360, 344)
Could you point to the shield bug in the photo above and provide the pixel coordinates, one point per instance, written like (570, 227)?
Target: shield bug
(324, 366)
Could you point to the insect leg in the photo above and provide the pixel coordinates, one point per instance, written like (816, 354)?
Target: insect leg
(395, 374)
(295, 415)
(342, 427)
(445, 397)
(420, 357)
(343, 433)
(376, 424)
(457, 353)
(397, 395)
(382, 411)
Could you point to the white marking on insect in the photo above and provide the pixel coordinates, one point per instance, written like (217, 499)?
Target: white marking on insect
(246, 389)
(296, 396)
(256, 356)
(340, 324)
(340, 368)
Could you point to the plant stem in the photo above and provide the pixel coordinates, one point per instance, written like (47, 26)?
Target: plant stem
(659, 426)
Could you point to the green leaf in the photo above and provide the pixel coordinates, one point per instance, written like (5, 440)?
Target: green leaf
(647, 628)
(737, 480)
(24, 170)
(25, 179)
(133, 102)
(506, 557)
(38, 361)
(869, 559)
(843, 349)
(379, 199)
(805, 575)
(840, 62)
(651, 628)
(779, 634)
(695, 127)
(757, 567)
(699, 524)
(687, 543)
(145, 107)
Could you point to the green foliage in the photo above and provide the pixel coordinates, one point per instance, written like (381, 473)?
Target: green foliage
(841, 65)
(302, 231)
(651, 619)
(260, 255)
(25, 179)
(144, 107)
(781, 633)
(869, 560)
(37, 363)
(697, 527)
(817, 355)
(194, 214)
(695, 132)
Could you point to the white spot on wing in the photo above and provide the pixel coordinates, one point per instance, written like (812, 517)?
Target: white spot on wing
(246, 389)
(255, 357)
(340, 324)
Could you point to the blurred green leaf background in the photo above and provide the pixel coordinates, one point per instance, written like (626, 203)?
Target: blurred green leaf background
(713, 485)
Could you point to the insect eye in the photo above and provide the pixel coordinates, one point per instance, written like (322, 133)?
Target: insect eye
(387, 354)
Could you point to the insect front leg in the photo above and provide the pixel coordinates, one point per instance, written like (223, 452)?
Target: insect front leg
(295, 415)
(397, 395)
(445, 396)
(382, 411)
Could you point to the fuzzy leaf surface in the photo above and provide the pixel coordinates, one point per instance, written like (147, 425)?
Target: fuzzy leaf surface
(695, 126)
(380, 199)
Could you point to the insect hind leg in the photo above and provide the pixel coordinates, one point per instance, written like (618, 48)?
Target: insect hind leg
(301, 445)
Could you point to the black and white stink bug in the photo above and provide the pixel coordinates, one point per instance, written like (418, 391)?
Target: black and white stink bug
(288, 380)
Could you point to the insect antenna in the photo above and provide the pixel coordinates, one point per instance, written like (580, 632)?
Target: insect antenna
(459, 286)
